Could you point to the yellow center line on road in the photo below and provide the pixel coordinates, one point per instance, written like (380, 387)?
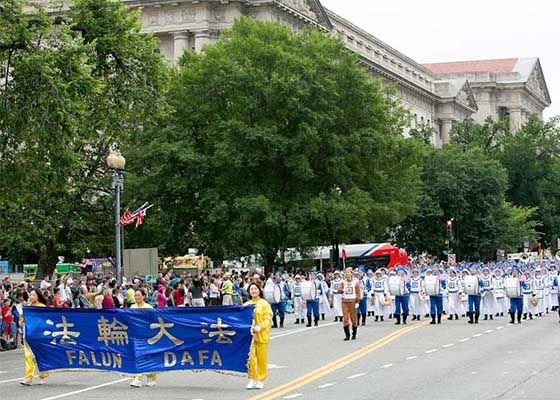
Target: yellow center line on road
(303, 380)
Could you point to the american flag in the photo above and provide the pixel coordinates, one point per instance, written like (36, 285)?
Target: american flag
(140, 218)
(128, 217)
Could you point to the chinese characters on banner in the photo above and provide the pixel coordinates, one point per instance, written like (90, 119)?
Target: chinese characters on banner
(140, 340)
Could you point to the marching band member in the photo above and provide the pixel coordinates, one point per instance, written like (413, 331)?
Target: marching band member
(489, 304)
(516, 303)
(337, 297)
(401, 301)
(528, 292)
(474, 299)
(262, 317)
(552, 275)
(454, 289)
(280, 308)
(416, 289)
(436, 301)
(369, 292)
(363, 304)
(379, 291)
(351, 294)
(36, 299)
(297, 300)
(323, 290)
(556, 285)
(500, 293)
(539, 282)
(313, 305)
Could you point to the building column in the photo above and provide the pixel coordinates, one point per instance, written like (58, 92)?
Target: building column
(445, 130)
(515, 121)
(180, 44)
(202, 38)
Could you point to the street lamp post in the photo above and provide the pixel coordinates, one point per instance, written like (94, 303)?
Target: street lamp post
(116, 163)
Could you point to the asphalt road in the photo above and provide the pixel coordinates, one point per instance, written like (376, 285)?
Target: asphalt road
(452, 361)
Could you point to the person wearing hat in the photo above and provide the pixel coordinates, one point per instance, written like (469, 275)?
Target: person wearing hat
(436, 301)
(454, 289)
(500, 292)
(528, 293)
(489, 304)
(337, 297)
(474, 299)
(351, 293)
(280, 308)
(556, 286)
(298, 301)
(401, 301)
(516, 303)
(380, 292)
(313, 305)
(323, 290)
(539, 282)
(416, 290)
(554, 294)
(369, 293)
(365, 288)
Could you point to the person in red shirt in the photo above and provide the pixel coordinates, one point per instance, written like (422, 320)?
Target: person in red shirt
(107, 300)
(7, 319)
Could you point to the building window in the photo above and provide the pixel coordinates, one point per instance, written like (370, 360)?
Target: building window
(503, 113)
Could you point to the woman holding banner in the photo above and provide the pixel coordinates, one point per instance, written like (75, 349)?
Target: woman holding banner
(36, 299)
(139, 297)
(262, 319)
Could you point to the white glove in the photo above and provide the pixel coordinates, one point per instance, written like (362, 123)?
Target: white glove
(257, 328)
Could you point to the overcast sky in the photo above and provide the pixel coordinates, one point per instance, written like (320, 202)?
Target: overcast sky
(444, 30)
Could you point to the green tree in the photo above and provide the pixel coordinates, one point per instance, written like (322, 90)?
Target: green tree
(488, 136)
(468, 187)
(277, 140)
(71, 87)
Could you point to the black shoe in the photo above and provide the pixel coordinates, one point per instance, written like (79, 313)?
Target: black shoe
(433, 320)
(450, 317)
(281, 322)
(346, 333)
(486, 317)
(418, 318)
(297, 321)
(414, 317)
(317, 321)
(274, 323)
(398, 318)
(456, 316)
(322, 317)
(377, 318)
(308, 322)
(524, 316)
(404, 318)
(439, 319)
(530, 316)
(363, 319)
(470, 315)
(491, 318)
(476, 316)
(512, 315)
(518, 317)
(354, 331)
(382, 318)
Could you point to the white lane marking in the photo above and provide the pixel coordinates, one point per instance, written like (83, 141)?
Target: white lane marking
(355, 376)
(274, 366)
(448, 345)
(303, 330)
(474, 372)
(86, 389)
(326, 385)
(12, 380)
(477, 335)
(506, 372)
(431, 351)
(489, 331)
(386, 365)
(499, 328)
(464, 340)
(293, 396)
(411, 358)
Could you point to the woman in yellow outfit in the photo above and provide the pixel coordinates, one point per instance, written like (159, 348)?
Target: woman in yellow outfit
(262, 319)
(36, 299)
(139, 296)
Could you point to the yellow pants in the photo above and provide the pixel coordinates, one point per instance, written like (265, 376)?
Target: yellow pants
(30, 364)
(139, 377)
(257, 361)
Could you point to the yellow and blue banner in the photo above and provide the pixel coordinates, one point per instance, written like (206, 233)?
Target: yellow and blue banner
(135, 341)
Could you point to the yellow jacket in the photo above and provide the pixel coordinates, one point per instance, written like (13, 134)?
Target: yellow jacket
(262, 316)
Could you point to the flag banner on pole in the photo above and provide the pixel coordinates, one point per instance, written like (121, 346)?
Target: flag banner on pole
(137, 341)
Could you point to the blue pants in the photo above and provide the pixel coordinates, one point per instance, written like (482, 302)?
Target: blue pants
(436, 305)
(312, 307)
(362, 309)
(402, 301)
(474, 303)
(280, 308)
(516, 305)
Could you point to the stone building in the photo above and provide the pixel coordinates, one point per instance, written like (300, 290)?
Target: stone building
(436, 94)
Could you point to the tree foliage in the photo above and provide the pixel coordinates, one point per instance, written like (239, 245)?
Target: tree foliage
(70, 88)
(277, 140)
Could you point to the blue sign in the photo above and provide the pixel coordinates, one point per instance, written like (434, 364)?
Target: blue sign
(4, 267)
(136, 341)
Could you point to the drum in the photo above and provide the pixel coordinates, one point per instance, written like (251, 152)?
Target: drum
(472, 286)
(432, 285)
(309, 291)
(396, 286)
(272, 294)
(513, 288)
